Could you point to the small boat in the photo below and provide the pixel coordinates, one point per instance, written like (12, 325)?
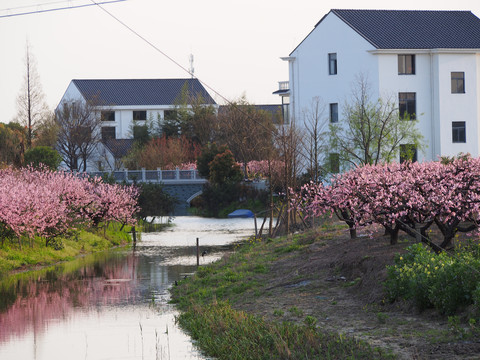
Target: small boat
(241, 213)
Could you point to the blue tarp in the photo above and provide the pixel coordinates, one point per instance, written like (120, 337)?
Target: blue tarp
(241, 213)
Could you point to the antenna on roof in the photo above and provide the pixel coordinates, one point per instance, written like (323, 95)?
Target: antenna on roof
(192, 69)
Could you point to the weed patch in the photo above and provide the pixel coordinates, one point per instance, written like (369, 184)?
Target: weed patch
(225, 333)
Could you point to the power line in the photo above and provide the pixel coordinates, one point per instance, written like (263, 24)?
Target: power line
(35, 5)
(99, 4)
(160, 51)
(52, 9)
(176, 62)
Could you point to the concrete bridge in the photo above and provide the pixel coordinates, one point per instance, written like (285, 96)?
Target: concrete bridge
(184, 185)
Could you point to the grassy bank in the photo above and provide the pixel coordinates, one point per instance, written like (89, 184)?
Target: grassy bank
(212, 300)
(12, 258)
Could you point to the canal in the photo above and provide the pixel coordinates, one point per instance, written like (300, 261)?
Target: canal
(112, 305)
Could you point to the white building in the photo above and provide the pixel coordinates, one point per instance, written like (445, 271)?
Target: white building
(428, 60)
(123, 102)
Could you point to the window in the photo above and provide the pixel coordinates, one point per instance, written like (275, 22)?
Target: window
(406, 64)
(334, 160)
(458, 82)
(286, 109)
(140, 115)
(332, 64)
(458, 132)
(407, 105)
(408, 152)
(108, 132)
(286, 113)
(108, 116)
(334, 113)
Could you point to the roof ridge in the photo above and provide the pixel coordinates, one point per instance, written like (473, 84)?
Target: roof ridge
(404, 10)
(135, 79)
(354, 28)
(159, 91)
(419, 29)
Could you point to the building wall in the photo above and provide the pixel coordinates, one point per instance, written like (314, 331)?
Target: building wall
(391, 84)
(123, 125)
(458, 107)
(123, 114)
(309, 76)
(436, 106)
(124, 118)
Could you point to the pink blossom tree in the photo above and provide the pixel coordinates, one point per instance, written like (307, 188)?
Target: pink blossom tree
(47, 203)
(408, 197)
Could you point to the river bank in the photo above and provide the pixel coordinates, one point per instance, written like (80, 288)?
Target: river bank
(112, 304)
(317, 294)
(36, 255)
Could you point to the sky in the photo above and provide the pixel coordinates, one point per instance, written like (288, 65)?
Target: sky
(236, 45)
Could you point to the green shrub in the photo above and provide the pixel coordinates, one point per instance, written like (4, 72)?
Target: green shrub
(447, 283)
(43, 155)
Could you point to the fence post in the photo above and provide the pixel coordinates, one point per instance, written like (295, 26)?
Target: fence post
(159, 177)
(177, 173)
(198, 254)
(144, 176)
(134, 236)
(126, 175)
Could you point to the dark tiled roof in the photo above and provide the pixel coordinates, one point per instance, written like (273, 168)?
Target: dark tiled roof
(414, 29)
(140, 91)
(281, 91)
(273, 109)
(118, 147)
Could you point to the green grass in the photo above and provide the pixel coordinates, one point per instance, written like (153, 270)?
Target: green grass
(207, 301)
(67, 248)
(225, 333)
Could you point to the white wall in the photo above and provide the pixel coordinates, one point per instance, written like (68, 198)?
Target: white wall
(436, 106)
(71, 94)
(309, 75)
(124, 118)
(458, 107)
(391, 83)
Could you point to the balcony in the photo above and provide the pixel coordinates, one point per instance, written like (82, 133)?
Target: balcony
(283, 88)
(283, 85)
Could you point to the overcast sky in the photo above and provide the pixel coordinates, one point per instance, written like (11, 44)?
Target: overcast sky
(236, 45)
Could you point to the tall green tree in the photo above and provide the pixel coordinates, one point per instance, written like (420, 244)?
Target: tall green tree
(371, 130)
(47, 132)
(208, 153)
(192, 117)
(224, 175)
(31, 106)
(247, 131)
(12, 144)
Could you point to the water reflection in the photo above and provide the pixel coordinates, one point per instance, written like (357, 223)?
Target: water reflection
(30, 301)
(111, 305)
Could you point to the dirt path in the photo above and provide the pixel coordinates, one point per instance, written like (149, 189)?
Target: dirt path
(339, 282)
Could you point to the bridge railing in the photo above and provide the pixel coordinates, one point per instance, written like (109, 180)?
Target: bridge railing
(153, 176)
